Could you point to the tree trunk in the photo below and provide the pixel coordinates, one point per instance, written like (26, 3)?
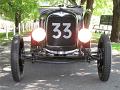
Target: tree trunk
(73, 2)
(17, 20)
(115, 34)
(83, 2)
(88, 13)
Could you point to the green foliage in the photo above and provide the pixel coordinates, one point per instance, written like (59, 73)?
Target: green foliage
(96, 37)
(3, 40)
(30, 9)
(102, 7)
(51, 2)
(116, 46)
(27, 8)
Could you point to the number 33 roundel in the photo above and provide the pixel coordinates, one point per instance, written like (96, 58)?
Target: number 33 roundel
(67, 31)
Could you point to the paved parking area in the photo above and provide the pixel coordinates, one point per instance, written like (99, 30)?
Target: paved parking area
(44, 76)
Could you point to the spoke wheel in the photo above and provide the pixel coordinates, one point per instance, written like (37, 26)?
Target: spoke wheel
(104, 52)
(17, 64)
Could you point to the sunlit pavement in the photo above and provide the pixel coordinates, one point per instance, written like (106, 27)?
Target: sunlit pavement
(43, 76)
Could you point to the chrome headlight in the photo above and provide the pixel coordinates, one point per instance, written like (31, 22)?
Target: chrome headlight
(39, 34)
(84, 35)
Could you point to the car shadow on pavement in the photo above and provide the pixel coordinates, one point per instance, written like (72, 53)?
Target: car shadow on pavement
(73, 76)
(45, 76)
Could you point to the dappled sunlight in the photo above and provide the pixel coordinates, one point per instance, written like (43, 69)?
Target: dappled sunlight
(72, 74)
(55, 80)
(51, 85)
(80, 74)
(7, 68)
(117, 71)
(4, 64)
(118, 56)
(81, 70)
(3, 74)
(93, 65)
(54, 76)
(115, 52)
(59, 82)
(5, 87)
(7, 51)
(62, 75)
(28, 38)
(42, 84)
(115, 63)
(4, 71)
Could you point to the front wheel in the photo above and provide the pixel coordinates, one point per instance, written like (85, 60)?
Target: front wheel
(104, 63)
(17, 64)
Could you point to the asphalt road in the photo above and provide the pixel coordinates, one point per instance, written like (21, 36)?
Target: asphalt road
(44, 76)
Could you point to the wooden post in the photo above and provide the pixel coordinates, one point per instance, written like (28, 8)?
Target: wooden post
(14, 30)
(37, 24)
(65, 3)
(29, 26)
(23, 29)
(33, 25)
(6, 32)
(19, 28)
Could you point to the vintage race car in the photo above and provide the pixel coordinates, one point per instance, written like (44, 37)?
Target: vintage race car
(61, 34)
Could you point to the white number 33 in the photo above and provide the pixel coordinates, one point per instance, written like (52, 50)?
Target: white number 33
(66, 30)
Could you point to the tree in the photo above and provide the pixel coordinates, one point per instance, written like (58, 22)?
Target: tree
(73, 2)
(103, 7)
(18, 10)
(51, 2)
(88, 13)
(115, 34)
(89, 10)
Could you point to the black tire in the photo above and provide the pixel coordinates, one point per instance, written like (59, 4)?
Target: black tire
(104, 64)
(17, 64)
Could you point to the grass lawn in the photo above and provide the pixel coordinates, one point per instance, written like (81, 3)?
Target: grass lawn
(95, 39)
(116, 46)
(4, 41)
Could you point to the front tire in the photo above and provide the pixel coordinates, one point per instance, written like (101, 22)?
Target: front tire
(17, 64)
(104, 52)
